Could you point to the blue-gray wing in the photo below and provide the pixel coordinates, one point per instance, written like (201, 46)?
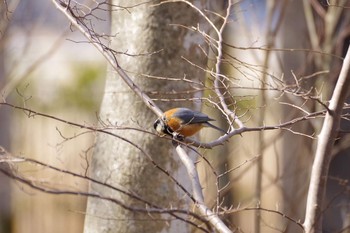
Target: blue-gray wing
(189, 116)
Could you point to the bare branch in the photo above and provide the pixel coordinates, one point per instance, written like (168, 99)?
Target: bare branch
(149, 208)
(223, 139)
(32, 113)
(264, 210)
(197, 192)
(106, 52)
(313, 219)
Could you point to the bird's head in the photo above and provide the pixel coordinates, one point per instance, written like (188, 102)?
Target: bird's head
(161, 127)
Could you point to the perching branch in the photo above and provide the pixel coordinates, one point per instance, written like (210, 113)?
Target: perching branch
(198, 194)
(316, 193)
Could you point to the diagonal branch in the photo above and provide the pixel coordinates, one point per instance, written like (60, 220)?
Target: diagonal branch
(319, 173)
(207, 213)
(106, 52)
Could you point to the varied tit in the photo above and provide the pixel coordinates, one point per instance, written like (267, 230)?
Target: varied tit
(183, 121)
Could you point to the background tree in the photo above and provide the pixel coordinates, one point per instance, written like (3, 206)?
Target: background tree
(152, 43)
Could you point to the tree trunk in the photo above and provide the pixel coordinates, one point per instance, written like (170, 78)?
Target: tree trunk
(141, 30)
(295, 158)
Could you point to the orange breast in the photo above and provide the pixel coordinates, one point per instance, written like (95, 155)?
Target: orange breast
(186, 130)
(189, 130)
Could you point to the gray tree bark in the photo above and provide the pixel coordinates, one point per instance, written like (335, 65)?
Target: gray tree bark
(141, 30)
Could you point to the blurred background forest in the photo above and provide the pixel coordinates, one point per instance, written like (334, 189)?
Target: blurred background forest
(47, 66)
(43, 65)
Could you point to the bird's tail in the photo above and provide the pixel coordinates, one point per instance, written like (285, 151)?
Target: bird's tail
(215, 127)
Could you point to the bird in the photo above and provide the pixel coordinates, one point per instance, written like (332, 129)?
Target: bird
(183, 122)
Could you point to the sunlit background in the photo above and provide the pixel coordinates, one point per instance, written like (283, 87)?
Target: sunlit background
(47, 66)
